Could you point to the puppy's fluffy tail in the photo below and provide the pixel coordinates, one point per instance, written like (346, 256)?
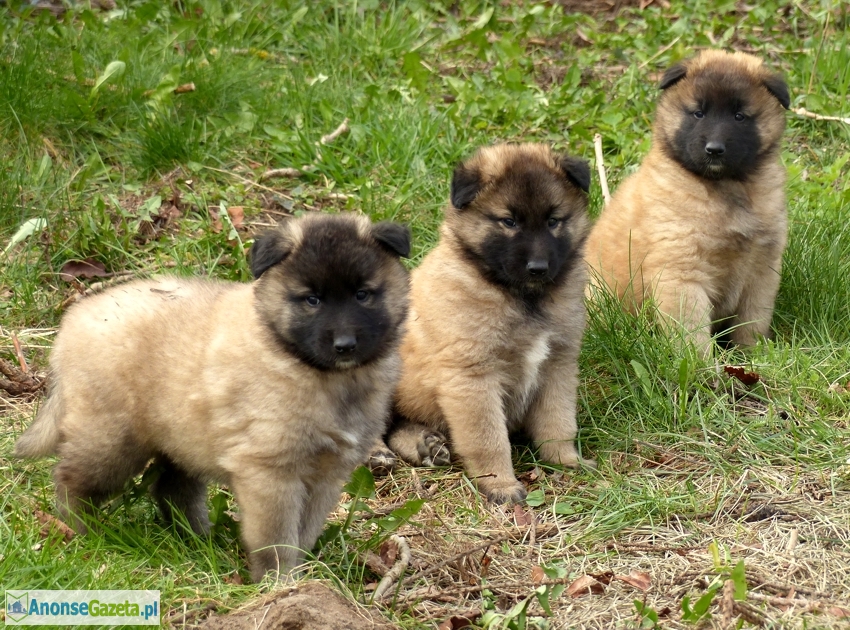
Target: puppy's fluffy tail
(42, 436)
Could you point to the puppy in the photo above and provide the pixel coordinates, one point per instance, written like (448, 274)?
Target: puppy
(702, 225)
(496, 319)
(278, 388)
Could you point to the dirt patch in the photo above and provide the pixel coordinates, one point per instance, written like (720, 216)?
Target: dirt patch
(312, 606)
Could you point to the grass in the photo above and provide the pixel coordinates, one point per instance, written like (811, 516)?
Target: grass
(686, 453)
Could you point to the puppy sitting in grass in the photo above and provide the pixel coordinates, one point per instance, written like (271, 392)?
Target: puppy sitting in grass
(702, 225)
(278, 388)
(496, 319)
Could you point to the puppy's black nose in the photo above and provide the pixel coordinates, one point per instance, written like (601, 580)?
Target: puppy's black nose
(537, 267)
(715, 148)
(345, 343)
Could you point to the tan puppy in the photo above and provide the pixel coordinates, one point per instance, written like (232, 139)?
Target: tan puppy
(702, 225)
(278, 388)
(497, 318)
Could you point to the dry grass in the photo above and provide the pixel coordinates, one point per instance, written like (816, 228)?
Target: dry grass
(788, 526)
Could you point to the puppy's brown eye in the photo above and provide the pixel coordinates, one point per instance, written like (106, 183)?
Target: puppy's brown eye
(362, 295)
(509, 223)
(313, 300)
(699, 114)
(739, 116)
(552, 222)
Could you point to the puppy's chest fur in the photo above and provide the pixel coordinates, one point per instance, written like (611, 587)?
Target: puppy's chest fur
(523, 373)
(736, 228)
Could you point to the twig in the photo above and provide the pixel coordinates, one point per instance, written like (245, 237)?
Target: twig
(659, 53)
(398, 568)
(336, 133)
(727, 605)
(293, 173)
(19, 353)
(802, 111)
(810, 604)
(532, 537)
(436, 567)
(18, 383)
(600, 167)
(289, 172)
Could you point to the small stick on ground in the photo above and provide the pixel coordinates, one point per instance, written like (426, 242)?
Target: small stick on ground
(291, 173)
(600, 167)
(395, 572)
(20, 354)
(802, 111)
(336, 133)
(727, 605)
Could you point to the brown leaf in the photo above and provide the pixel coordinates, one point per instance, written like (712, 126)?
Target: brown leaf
(585, 585)
(389, 552)
(837, 611)
(234, 578)
(537, 575)
(215, 222)
(237, 215)
(87, 268)
(459, 621)
(638, 579)
(48, 522)
(523, 517)
(604, 577)
(747, 378)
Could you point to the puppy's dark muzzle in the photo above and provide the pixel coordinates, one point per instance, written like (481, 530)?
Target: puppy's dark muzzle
(345, 344)
(715, 149)
(537, 268)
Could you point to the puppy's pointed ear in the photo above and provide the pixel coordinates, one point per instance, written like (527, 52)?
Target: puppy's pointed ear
(776, 85)
(673, 75)
(577, 171)
(394, 237)
(466, 184)
(268, 250)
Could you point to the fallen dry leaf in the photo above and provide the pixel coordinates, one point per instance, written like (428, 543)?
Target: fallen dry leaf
(537, 575)
(48, 522)
(234, 578)
(523, 517)
(237, 216)
(459, 621)
(638, 579)
(87, 268)
(747, 378)
(604, 577)
(389, 552)
(837, 611)
(585, 585)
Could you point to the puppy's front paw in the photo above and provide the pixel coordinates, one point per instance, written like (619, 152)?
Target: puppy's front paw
(564, 452)
(382, 461)
(502, 490)
(433, 449)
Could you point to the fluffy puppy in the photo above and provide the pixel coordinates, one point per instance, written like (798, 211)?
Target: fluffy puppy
(496, 319)
(278, 388)
(702, 225)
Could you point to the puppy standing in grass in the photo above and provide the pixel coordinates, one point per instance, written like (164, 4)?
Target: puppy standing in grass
(278, 388)
(497, 318)
(702, 225)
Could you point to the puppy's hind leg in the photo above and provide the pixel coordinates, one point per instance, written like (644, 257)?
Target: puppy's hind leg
(177, 489)
(90, 471)
(418, 445)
